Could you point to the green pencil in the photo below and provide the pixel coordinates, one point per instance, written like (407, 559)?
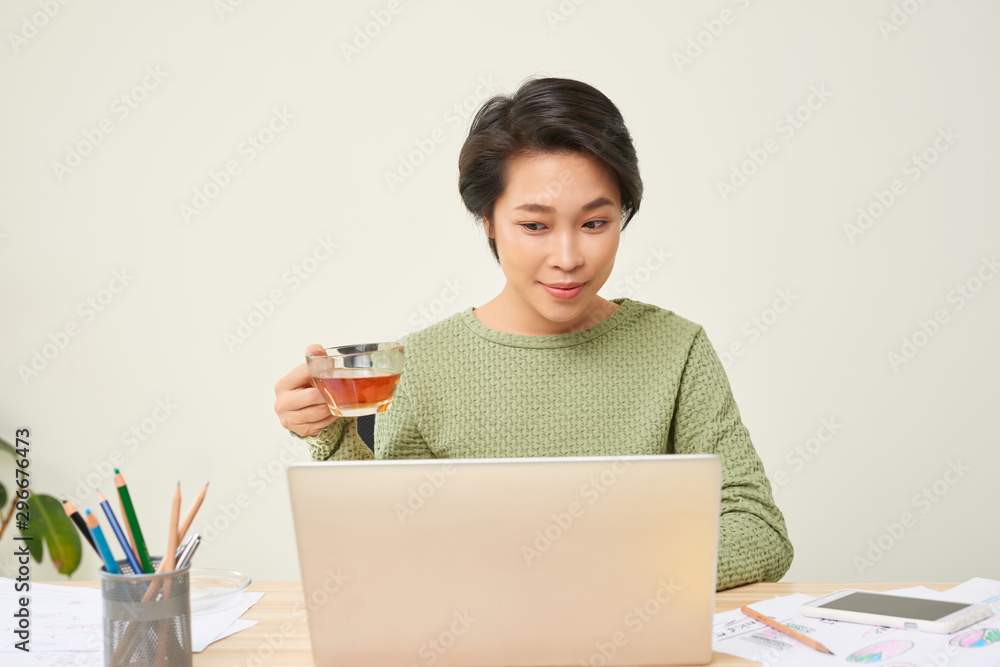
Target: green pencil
(133, 522)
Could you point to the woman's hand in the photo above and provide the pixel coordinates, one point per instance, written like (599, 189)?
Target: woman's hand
(299, 405)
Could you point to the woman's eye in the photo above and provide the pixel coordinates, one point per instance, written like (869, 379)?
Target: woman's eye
(531, 226)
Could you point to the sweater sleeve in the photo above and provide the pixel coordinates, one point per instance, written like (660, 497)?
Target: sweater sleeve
(753, 540)
(338, 442)
(397, 430)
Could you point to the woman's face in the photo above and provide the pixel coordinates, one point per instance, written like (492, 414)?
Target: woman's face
(557, 225)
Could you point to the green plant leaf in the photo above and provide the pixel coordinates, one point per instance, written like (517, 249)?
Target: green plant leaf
(7, 447)
(48, 523)
(3, 501)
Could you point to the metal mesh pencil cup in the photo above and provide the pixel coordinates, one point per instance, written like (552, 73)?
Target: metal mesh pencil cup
(147, 617)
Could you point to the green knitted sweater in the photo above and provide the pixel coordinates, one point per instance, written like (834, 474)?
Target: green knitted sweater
(642, 381)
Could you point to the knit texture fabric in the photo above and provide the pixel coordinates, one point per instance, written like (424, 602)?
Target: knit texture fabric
(642, 381)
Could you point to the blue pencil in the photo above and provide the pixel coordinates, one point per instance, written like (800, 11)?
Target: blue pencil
(102, 544)
(119, 533)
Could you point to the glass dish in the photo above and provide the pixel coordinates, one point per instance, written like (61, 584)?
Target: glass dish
(214, 588)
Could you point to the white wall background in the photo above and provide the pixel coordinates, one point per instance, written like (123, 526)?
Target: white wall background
(224, 67)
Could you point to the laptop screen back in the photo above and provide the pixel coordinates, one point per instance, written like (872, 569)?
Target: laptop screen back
(501, 562)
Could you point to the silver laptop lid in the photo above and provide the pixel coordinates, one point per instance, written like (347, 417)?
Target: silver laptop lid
(506, 562)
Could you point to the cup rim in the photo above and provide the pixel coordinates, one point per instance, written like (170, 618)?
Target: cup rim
(393, 345)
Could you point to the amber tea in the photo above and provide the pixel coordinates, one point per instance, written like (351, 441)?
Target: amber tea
(357, 380)
(359, 391)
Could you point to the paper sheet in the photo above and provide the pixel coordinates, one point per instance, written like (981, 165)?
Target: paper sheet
(207, 627)
(978, 645)
(67, 624)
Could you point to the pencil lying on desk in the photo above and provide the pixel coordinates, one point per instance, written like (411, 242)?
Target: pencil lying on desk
(785, 630)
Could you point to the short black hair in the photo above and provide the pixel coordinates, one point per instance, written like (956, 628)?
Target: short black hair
(547, 115)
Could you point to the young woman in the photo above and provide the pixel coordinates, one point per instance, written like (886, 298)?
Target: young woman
(548, 367)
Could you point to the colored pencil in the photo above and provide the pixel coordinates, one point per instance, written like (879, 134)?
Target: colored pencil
(74, 514)
(171, 560)
(133, 520)
(191, 512)
(102, 544)
(117, 529)
(178, 558)
(785, 630)
(128, 528)
(175, 513)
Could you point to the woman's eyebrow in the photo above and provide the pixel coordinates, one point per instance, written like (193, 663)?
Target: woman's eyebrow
(532, 207)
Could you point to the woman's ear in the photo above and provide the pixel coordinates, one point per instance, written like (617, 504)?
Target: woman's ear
(488, 226)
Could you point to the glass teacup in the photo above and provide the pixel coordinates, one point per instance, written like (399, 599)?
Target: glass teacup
(357, 380)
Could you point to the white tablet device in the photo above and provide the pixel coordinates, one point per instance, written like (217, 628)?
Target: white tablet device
(896, 611)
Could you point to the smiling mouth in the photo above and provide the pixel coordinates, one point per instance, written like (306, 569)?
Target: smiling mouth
(564, 293)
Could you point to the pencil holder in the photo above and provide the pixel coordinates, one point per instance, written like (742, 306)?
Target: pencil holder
(147, 617)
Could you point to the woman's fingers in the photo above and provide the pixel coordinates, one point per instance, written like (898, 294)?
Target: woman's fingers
(313, 428)
(299, 405)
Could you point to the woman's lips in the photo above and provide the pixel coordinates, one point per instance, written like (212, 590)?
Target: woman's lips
(563, 293)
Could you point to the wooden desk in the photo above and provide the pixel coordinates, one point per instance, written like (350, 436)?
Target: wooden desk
(281, 639)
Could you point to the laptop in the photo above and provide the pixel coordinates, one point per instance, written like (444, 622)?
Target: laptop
(512, 562)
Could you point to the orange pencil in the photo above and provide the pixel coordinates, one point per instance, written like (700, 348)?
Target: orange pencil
(175, 513)
(169, 561)
(167, 564)
(191, 512)
(785, 630)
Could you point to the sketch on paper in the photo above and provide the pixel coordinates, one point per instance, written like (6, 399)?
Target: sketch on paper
(977, 638)
(881, 651)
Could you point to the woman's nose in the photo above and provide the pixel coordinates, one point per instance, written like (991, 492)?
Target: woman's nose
(568, 251)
